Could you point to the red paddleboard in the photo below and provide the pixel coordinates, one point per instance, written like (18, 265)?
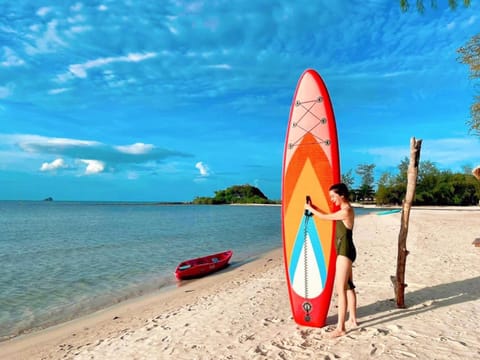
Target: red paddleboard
(310, 166)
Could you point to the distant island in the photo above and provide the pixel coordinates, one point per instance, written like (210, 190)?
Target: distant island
(237, 194)
(48, 199)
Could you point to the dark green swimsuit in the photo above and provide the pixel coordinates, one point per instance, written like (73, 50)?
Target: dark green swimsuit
(345, 245)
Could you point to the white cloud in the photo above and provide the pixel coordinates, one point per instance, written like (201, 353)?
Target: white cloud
(10, 58)
(58, 91)
(135, 57)
(77, 6)
(35, 143)
(172, 29)
(43, 11)
(203, 168)
(61, 78)
(80, 29)
(7, 29)
(390, 74)
(135, 149)
(48, 42)
(221, 67)
(93, 166)
(76, 19)
(80, 70)
(471, 20)
(102, 7)
(34, 27)
(54, 165)
(117, 157)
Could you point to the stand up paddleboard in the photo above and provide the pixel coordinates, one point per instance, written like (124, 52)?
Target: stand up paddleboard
(310, 167)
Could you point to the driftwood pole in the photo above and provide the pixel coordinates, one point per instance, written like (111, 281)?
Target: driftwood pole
(399, 280)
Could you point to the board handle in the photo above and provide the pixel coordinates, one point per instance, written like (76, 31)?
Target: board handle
(308, 201)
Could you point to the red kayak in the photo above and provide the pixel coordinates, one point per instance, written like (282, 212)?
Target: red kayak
(202, 266)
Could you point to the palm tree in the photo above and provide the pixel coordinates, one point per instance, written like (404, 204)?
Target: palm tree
(470, 55)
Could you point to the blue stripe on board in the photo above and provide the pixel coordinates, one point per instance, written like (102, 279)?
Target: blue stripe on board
(316, 246)
(297, 250)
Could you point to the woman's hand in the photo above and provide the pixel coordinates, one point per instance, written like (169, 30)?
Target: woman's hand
(308, 207)
(312, 209)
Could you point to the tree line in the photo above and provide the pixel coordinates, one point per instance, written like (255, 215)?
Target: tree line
(434, 186)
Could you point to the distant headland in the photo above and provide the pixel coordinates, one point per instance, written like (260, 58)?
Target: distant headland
(237, 194)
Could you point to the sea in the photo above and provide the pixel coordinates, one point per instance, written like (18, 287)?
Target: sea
(62, 260)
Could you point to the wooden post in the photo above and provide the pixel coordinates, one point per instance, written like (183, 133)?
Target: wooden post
(399, 280)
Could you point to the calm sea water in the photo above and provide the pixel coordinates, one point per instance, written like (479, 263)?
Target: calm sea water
(61, 260)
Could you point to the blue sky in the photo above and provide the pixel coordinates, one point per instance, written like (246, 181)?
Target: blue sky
(169, 100)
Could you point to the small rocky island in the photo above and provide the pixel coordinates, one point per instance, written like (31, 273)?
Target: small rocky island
(237, 194)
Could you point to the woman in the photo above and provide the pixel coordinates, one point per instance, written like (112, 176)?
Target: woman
(346, 254)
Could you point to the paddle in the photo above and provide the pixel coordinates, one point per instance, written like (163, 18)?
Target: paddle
(309, 201)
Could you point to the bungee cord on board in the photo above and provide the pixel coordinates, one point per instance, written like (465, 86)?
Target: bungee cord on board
(321, 121)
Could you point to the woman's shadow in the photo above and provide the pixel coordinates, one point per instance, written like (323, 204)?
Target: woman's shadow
(420, 301)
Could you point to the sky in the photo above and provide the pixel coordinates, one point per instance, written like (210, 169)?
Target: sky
(169, 100)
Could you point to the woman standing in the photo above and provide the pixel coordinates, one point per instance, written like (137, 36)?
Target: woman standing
(346, 254)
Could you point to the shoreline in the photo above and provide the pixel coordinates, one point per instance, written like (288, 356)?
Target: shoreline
(167, 290)
(25, 345)
(243, 311)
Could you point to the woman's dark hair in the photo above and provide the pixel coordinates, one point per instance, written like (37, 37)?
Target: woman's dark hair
(340, 189)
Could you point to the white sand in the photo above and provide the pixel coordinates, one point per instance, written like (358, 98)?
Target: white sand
(244, 313)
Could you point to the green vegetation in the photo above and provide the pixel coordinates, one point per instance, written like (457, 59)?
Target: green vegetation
(434, 187)
(238, 194)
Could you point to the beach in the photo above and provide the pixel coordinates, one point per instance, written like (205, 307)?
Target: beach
(243, 312)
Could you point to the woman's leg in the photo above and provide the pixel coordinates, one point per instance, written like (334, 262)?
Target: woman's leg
(342, 272)
(352, 302)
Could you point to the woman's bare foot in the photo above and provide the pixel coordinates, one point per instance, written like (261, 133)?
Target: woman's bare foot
(336, 333)
(353, 323)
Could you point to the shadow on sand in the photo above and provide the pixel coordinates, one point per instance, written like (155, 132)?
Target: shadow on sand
(418, 302)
